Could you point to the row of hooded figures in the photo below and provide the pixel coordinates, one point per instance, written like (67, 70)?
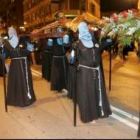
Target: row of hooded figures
(64, 59)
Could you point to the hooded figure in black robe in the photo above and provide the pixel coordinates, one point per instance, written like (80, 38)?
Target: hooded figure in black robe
(91, 90)
(20, 90)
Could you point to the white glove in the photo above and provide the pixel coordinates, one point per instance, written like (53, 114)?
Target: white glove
(109, 40)
(30, 47)
(66, 39)
(50, 42)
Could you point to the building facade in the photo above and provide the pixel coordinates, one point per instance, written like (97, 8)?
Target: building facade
(38, 13)
(11, 13)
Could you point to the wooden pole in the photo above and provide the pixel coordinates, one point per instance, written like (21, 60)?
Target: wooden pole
(75, 86)
(110, 64)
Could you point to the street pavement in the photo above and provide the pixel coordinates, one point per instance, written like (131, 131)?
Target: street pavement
(51, 116)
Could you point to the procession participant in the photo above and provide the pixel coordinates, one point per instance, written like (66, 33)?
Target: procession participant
(20, 90)
(59, 67)
(3, 64)
(46, 60)
(91, 91)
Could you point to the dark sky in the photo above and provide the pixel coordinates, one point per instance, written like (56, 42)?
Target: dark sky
(117, 5)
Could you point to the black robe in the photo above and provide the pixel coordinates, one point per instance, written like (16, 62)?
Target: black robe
(46, 60)
(20, 87)
(138, 134)
(3, 69)
(91, 90)
(37, 52)
(59, 67)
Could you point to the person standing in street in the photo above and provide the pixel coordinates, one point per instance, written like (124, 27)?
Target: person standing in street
(3, 71)
(46, 60)
(91, 91)
(59, 66)
(20, 90)
(138, 133)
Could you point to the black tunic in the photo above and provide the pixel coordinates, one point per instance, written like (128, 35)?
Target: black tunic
(3, 69)
(59, 67)
(93, 104)
(37, 52)
(46, 61)
(71, 81)
(20, 87)
(138, 134)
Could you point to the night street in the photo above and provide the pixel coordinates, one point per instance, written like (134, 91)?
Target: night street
(51, 116)
(100, 38)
